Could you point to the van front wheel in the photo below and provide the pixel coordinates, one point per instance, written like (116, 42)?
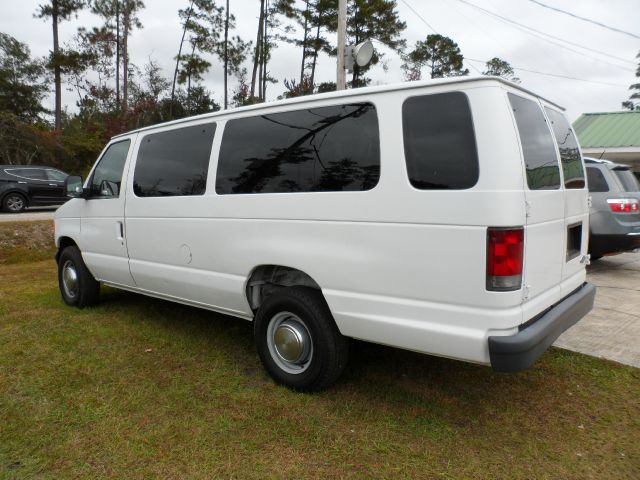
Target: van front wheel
(298, 341)
(77, 286)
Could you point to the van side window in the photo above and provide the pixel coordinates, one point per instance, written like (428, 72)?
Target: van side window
(597, 182)
(569, 152)
(323, 149)
(174, 163)
(107, 176)
(540, 157)
(439, 142)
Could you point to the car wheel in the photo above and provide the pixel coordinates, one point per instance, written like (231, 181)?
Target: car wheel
(77, 286)
(14, 203)
(298, 341)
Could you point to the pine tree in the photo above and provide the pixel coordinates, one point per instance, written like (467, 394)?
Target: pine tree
(58, 11)
(439, 54)
(634, 100)
(497, 67)
(373, 19)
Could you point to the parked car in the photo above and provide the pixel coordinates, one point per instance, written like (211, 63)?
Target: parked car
(440, 217)
(615, 208)
(23, 186)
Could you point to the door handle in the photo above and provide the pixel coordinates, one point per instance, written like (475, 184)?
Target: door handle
(53, 184)
(120, 232)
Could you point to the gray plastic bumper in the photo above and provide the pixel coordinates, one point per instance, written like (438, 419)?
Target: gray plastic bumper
(517, 352)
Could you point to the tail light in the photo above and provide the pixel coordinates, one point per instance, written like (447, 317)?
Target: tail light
(504, 258)
(623, 205)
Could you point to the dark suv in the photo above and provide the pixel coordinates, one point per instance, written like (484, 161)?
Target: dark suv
(23, 186)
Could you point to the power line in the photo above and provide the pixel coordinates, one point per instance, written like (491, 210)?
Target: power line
(419, 16)
(543, 35)
(430, 27)
(584, 19)
(557, 75)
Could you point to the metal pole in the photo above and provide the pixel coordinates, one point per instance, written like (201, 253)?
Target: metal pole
(341, 83)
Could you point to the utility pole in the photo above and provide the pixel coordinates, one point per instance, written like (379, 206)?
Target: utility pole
(341, 83)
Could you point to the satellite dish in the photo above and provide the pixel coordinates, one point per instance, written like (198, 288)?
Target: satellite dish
(363, 53)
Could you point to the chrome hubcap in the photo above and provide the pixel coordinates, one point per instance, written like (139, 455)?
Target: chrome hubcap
(15, 203)
(289, 342)
(70, 279)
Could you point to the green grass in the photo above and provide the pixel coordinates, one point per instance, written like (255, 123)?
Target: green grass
(141, 388)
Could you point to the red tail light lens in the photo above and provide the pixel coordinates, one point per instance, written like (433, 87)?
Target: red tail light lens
(505, 248)
(623, 205)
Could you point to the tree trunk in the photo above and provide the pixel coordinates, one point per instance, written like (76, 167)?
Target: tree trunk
(56, 68)
(265, 52)
(316, 46)
(304, 41)
(226, 56)
(125, 55)
(118, 52)
(175, 72)
(256, 57)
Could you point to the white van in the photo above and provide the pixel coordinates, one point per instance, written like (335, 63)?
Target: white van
(447, 217)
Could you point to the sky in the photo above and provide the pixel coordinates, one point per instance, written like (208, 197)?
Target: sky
(581, 50)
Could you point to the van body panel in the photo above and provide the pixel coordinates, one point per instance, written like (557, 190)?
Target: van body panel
(397, 265)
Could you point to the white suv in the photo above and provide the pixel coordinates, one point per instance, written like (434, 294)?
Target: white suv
(447, 217)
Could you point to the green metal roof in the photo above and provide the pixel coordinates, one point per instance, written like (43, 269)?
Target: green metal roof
(614, 129)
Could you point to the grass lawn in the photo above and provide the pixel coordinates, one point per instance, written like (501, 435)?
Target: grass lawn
(139, 388)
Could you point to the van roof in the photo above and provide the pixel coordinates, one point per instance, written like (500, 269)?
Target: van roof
(347, 93)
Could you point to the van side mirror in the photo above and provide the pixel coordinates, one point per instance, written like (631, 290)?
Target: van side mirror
(73, 187)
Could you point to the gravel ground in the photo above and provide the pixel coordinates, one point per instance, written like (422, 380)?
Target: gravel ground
(30, 215)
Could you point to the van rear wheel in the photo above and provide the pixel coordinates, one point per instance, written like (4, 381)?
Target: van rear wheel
(298, 341)
(77, 286)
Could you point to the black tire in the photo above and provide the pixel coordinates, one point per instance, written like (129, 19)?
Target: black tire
(14, 202)
(329, 350)
(595, 258)
(85, 290)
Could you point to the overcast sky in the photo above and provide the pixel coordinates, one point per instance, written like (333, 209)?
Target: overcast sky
(479, 36)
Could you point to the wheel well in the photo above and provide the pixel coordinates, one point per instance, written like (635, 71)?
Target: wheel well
(63, 243)
(19, 192)
(266, 279)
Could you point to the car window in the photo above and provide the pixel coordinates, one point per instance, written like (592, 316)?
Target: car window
(540, 157)
(55, 175)
(107, 176)
(597, 182)
(627, 180)
(322, 149)
(175, 162)
(568, 148)
(27, 173)
(439, 142)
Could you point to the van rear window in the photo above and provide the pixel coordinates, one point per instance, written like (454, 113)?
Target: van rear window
(540, 158)
(568, 147)
(322, 149)
(439, 142)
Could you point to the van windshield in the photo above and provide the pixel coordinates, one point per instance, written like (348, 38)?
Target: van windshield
(627, 180)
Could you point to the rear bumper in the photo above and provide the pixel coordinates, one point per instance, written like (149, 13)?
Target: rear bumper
(513, 353)
(601, 244)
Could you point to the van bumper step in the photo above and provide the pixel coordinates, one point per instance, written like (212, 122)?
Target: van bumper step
(513, 353)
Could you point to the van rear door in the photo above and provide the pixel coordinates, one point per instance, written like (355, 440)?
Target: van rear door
(545, 222)
(576, 209)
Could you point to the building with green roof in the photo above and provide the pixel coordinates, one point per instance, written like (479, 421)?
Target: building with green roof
(612, 136)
